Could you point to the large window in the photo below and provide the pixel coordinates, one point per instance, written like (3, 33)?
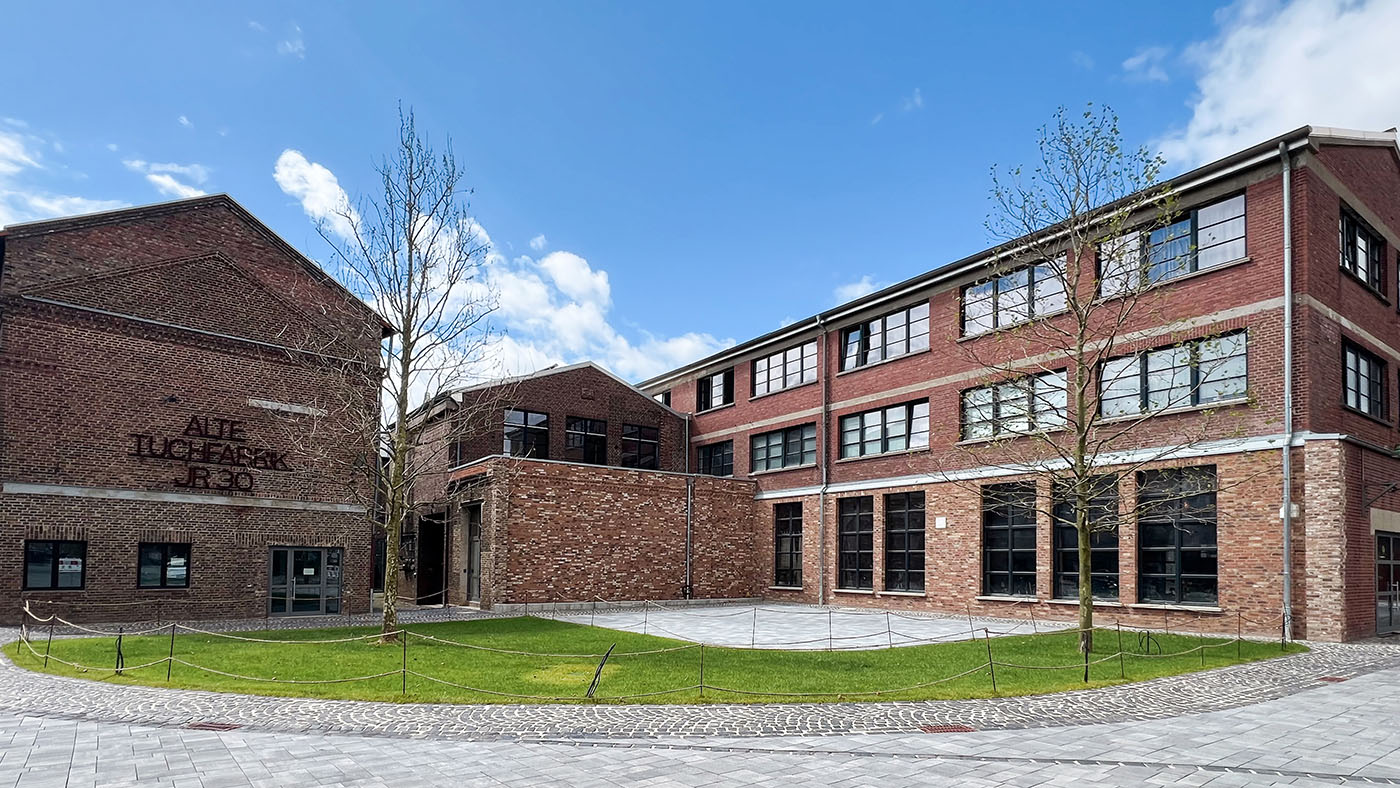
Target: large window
(855, 536)
(716, 459)
(713, 391)
(1194, 373)
(897, 428)
(904, 541)
(164, 565)
(1102, 493)
(1363, 251)
(1008, 539)
(1203, 238)
(787, 545)
(641, 447)
(1177, 553)
(890, 336)
(527, 434)
(1027, 404)
(770, 451)
(586, 440)
(52, 564)
(791, 367)
(1363, 384)
(1014, 297)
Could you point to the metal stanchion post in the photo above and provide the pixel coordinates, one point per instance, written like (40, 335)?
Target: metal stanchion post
(403, 672)
(753, 631)
(1239, 633)
(889, 635)
(49, 646)
(991, 663)
(170, 660)
(121, 662)
(702, 670)
(1122, 671)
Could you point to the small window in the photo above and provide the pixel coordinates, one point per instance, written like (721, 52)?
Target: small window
(787, 448)
(164, 565)
(56, 565)
(1363, 252)
(1015, 407)
(1014, 297)
(1008, 539)
(786, 369)
(1364, 383)
(787, 545)
(713, 391)
(1202, 239)
(664, 398)
(855, 534)
(897, 428)
(904, 541)
(586, 440)
(893, 335)
(527, 434)
(641, 447)
(1191, 374)
(716, 459)
(1103, 538)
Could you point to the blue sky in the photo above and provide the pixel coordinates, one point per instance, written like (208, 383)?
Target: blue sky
(691, 174)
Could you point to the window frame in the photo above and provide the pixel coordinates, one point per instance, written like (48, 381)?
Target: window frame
(707, 386)
(1144, 373)
(803, 432)
(864, 346)
(705, 465)
(1011, 524)
(766, 363)
(857, 524)
(1032, 304)
(787, 542)
(900, 521)
(638, 444)
(54, 570)
(1376, 249)
(911, 424)
(1165, 514)
(1102, 507)
(1031, 414)
(1142, 238)
(1380, 380)
(590, 439)
(540, 433)
(164, 584)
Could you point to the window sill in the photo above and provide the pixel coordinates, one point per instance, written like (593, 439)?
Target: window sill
(712, 410)
(1184, 277)
(998, 598)
(1349, 274)
(1225, 403)
(1364, 414)
(785, 390)
(1010, 436)
(163, 588)
(781, 470)
(919, 594)
(1075, 602)
(901, 452)
(862, 591)
(863, 367)
(784, 588)
(1012, 327)
(1184, 608)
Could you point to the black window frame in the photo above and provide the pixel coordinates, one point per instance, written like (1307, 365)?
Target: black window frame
(787, 544)
(1144, 375)
(1172, 503)
(638, 449)
(534, 438)
(905, 559)
(706, 387)
(762, 369)
(166, 549)
(913, 425)
(799, 435)
(1350, 227)
(715, 459)
(1379, 392)
(1034, 414)
(1103, 542)
(664, 398)
(1141, 240)
(584, 438)
(855, 543)
(1004, 514)
(1035, 273)
(53, 570)
(860, 354)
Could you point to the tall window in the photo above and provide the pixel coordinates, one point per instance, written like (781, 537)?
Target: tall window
(783, 448)
(1204, 238)
(889, 336)
(716, 459)
(586, 440)
(1008, 539)
(1177, 553)
(904, 541)
(713, 391)
(855, 535)
(53, 564)
(1103, 539)
(163, 565)
(787, 545)
(883, 430)
(791, 367)
(527, 434)
(1027, 404)
(1014, 297)
(1194, 373)
(641, 447)
(1363, 385)
(1363, 251)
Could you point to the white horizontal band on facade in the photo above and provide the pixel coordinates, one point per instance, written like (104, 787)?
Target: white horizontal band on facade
(1155, 454)
(285, 407)
(118, 494)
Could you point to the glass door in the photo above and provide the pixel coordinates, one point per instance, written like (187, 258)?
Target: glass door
(1387, 583)
(304, 581)
(473, 552)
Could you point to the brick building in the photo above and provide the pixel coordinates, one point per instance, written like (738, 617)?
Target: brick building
(156, 366)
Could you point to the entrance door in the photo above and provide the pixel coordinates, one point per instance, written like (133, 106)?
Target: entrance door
(304, 581)
(1387, 583)
(473, 512)
(432, 560)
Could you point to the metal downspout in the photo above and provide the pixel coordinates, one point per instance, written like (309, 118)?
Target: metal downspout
(825, 458)
(1287, 509)
(689, 511)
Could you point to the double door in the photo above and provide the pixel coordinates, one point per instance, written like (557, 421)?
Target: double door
(1387, 583)
(304, 581)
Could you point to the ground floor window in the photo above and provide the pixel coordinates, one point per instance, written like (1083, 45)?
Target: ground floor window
(904, 541)
(1177, 551)
(856, 540)
(54, 564)
(787, 545)
(1008, 539)
(163, 565)
(1103, 538)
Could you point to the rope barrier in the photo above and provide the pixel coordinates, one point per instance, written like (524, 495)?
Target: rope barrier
(179, 661)
(475, 647)
(278, 641)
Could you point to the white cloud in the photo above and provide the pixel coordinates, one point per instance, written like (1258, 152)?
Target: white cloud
(913, 102)
(316, 188)
(15, 154)
(162, 176)
(166, 184)
(1272, 68)
(256, 26)
(1146, 65)
(293, 45)
(539, 242)
(879, 116)
(853, 290)
(576, 279)
(23, 197)
(185, 121)
(112, 146)
(1081, 59)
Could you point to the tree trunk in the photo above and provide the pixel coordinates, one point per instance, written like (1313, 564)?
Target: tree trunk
(1086, 588)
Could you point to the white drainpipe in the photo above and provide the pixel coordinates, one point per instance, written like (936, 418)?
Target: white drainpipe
(1287, 508)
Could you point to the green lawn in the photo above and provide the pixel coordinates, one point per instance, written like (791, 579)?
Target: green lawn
(835, 675)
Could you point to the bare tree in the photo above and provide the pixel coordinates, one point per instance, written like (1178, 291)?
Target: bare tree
(1082, 349)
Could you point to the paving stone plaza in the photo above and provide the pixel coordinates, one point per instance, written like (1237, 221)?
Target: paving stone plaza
(1321, 718)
